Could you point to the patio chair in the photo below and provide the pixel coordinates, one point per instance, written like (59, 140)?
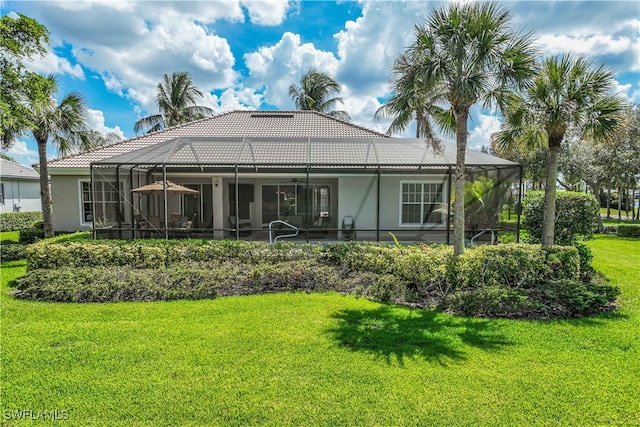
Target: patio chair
(185, 226)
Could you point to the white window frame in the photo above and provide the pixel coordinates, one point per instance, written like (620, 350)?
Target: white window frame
(82, 202)
(422, 183)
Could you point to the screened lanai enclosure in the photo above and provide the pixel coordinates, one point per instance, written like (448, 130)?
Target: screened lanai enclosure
(305, 189)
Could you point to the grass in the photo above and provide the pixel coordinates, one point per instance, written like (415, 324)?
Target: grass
(10, 235)
(321, 359)
(614, 214)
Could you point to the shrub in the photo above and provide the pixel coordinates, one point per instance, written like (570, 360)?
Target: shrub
(383, 288)
(12, 251)
(507, 280)
(576, 216)
(426, 268)
(100, 284)
(514, 265)
(32, 235)
(629, 230)
(490, 301)
(372, 257)
(305, 275)
(14, 221)
(571, 298)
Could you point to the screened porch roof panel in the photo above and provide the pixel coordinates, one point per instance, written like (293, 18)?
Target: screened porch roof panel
(283, 152)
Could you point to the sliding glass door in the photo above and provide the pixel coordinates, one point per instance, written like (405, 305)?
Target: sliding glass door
(296, 203)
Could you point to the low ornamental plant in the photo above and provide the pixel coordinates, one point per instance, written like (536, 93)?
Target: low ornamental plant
(505, 280)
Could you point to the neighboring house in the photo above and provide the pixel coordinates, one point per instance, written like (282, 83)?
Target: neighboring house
(19, 188)
(329, 178)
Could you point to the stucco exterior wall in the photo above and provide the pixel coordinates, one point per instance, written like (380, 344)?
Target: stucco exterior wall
(358, 199)
(21, 196)
(67, 210)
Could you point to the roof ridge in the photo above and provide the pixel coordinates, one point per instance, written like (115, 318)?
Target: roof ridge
(346, 122)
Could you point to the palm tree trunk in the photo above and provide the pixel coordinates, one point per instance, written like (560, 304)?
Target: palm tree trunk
(596, 191)
(549, 214)
(619, 204)
(45, 189)
(462, 113)
(609, 201)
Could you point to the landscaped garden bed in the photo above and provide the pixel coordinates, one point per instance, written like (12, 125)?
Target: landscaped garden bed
(510, 280)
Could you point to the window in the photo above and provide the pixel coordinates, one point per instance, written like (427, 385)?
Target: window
(421, 203)
(1, 194)
(106, 202)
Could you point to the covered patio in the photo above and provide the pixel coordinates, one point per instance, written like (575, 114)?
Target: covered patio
(319, 189)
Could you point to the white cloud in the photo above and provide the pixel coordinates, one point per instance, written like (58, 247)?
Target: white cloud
(51, 63)
(368, 46)
(266, 12)
(596, 44)
(95, 121)
(278, 66)
(230, 99)
(21, 152)
(132, 45)
(480, 135)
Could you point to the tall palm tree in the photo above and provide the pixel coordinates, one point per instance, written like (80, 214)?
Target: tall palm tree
(567, 93)
(64, 125)
(465, 54)
(410, 102)
(316, 93)
(177, 102)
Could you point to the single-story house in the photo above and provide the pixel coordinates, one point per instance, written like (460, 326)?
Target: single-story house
(249, 172)
(19, 188)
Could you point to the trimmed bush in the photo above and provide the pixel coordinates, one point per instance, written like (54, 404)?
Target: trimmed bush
(515, 265)
(629, 230)
(570, 298)
(490, 301)
(427, 269)
(12, 251)
(32, 235)
(507, 280)
(100, 284)
(14, 221)
(381, 287)
(306, 275)
(576, 216)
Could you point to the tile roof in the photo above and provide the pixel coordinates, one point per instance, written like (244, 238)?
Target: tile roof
(9, 169)
(289, 152)
(232, 124)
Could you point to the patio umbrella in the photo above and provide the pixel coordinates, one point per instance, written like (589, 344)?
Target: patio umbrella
(159, 187)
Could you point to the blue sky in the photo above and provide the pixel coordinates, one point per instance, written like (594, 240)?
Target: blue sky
(244, 54)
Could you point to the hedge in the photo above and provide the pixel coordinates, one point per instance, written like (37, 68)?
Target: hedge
(12, 251)
(629, 230)
(507, 280)
(14, 221)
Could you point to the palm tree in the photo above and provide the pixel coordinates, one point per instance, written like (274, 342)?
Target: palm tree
(567, 94)
(408, 103)
(464, 54)
(64, 125)
(316, 92)
(176, 98)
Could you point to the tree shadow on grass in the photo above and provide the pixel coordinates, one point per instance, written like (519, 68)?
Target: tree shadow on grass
(395, 334)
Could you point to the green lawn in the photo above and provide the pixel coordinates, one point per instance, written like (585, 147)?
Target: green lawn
(321, 359)
(10, 235)
(614, 214)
